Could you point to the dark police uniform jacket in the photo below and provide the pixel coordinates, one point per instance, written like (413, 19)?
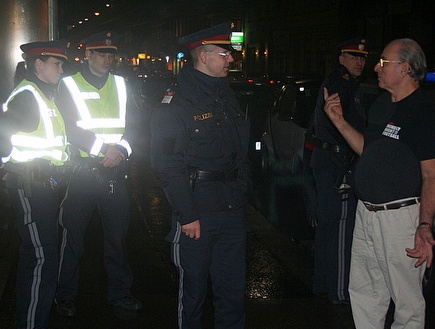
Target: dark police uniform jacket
(200, 126)
(342, 82)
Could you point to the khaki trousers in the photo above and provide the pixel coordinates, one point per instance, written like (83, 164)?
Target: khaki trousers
(381, 270)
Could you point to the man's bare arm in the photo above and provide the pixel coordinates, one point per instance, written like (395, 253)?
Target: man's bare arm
(424, 241)
(334, 111)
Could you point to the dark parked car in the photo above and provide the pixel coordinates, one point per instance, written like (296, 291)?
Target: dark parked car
(255, 100)
(282, 155)
(236, 75)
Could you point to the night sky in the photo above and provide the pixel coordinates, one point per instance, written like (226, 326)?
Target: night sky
(71, 11)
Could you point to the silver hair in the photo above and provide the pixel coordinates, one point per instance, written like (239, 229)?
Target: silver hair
(411, 52)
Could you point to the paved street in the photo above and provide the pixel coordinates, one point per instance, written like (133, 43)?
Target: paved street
(279, 274)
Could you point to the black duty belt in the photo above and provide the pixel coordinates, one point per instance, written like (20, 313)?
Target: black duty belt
(38, 170)
(333, 147)
(392, 205)
(196, 175)
(87, 160)
(38, 167)
(94, 163)
(216, 176)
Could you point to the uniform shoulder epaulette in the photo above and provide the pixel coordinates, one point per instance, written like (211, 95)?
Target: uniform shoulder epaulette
(170, 93)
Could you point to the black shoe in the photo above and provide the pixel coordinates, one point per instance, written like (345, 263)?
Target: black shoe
(66, 308)
(127, 303)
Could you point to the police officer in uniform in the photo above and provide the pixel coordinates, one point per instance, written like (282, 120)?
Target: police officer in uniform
(199, 152)
(33, 153)
(94, 105)
(332, 162)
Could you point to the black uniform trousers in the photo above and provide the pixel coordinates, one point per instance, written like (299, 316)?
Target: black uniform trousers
(36, 220)
(85, 193)
(220, 253)
(334, 231)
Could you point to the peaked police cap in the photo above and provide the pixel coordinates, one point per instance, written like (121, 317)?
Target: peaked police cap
(106, 41)
(356, 46)
(219, 35)
(55, 48)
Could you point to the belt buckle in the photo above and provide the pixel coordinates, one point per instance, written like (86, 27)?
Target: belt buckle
(370, 207)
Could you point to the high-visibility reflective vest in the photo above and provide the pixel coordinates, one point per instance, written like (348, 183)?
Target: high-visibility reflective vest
(101, 111)
(48, 141)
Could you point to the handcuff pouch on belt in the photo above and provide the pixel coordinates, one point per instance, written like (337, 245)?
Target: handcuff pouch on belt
(196, 175)
(345, 160)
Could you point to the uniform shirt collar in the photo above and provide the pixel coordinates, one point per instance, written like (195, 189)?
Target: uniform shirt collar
(96, 81)
(203, 83)
(49, 90)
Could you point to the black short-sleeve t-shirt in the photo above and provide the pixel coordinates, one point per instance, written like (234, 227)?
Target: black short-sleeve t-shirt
(399, 135)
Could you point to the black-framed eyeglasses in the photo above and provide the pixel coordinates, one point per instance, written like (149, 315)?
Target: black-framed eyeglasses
(383, 61)
(224, 54)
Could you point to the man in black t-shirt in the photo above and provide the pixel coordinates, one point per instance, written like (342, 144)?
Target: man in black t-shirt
(395, 183)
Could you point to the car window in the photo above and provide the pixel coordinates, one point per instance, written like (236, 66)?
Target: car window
(305, 103)
(297, 102)
(286, 105)
(253, 98)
